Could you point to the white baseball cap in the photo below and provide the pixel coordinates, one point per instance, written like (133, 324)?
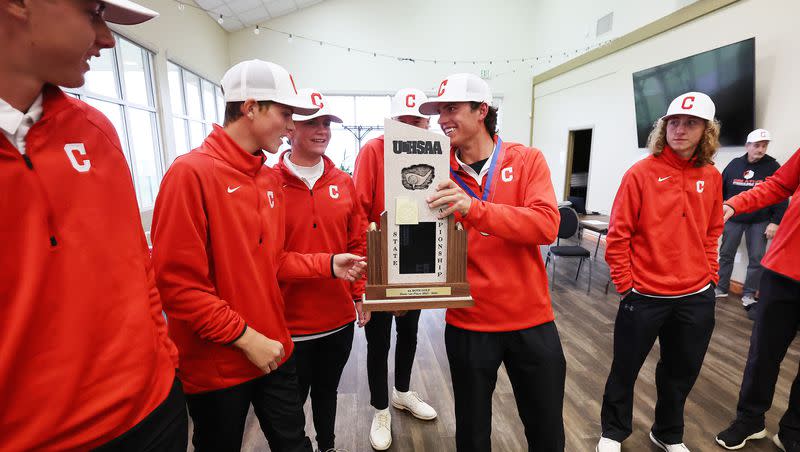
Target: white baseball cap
(316, 98)
(458, 88)
(125, 12)
(758, 135)
(261, 80)
(406, 102)
(692, 104)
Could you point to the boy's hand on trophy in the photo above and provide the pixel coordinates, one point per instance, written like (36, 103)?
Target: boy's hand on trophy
(450, 195)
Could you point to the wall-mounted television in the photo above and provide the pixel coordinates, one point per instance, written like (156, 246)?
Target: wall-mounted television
(727, 74)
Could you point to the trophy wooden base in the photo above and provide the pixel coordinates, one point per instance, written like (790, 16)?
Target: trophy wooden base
(402, 297)
(381, 296)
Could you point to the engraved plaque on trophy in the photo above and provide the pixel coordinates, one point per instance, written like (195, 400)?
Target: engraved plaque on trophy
(415, 260)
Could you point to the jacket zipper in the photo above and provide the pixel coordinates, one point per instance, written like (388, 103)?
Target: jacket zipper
(261, 207)
(313, 209)
(50, 225)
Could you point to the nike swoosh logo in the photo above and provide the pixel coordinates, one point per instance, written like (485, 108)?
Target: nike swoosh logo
(231, 190)
(660, 179)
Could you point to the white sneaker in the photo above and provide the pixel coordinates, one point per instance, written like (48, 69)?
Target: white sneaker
(778, 443)
(412, 402)
(680, 447)
(608, 445)
(719, 293)
(747, 300)
(380, 434)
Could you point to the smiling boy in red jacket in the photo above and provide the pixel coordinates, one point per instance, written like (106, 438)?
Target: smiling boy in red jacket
(325, 218)
(85, 361)
(218, 245)
(777, 315)
(502, 194)
(662, 253)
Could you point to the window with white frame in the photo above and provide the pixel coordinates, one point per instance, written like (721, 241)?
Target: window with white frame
(196, 104)
(120, 85)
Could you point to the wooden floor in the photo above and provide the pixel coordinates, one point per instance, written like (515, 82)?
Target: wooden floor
(585, 323)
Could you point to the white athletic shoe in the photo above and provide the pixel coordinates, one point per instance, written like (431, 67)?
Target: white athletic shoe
(412, 402)
(608, 445)
(680, 447)
(380, 434)
(719, 293)
(748, 300)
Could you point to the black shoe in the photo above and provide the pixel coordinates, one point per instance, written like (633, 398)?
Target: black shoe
(786, 445)
(751, 311)
(735, 436)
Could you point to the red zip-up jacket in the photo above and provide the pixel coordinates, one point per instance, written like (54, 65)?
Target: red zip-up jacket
(505, 270)
(368, 179)
(665, 224)
(783, 255)
(218, 235)
(325, 219)
(84, 354)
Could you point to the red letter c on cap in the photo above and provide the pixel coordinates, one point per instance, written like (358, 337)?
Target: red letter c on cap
(316, 99)
(441, 87)
(410, 100)
(686, 105)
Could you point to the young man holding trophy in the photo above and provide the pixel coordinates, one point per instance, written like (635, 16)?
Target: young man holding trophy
(502, 194)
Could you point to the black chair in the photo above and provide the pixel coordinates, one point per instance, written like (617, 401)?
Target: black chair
(566, 229)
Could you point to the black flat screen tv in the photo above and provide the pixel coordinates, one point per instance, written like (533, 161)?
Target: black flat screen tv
(726, 74)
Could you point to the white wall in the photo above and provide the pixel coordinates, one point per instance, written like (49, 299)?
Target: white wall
(600, 94)
(573, 24)
(190, 38)
(416, 28)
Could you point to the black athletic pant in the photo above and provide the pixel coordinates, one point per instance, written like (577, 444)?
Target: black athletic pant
(320, 363)
(536, 368)
(378, 332)
(219, 416)
(165, 429)
(683, 327)
(776, 323)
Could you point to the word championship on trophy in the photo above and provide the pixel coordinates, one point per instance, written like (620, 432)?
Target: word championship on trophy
(415, 260)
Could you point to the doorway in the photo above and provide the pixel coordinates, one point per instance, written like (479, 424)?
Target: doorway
(576, 183)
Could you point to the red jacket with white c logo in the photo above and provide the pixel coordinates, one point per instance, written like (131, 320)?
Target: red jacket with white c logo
(325, 219)
(665, 224)
(218, 245)
(84, 354)
(505, 270)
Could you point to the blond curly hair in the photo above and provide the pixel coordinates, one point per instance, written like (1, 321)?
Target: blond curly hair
(703, 154)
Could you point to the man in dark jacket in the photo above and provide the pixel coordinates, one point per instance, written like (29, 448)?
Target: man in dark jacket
(740, 175)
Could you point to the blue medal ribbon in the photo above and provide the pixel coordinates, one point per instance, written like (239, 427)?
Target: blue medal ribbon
(489, 178)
